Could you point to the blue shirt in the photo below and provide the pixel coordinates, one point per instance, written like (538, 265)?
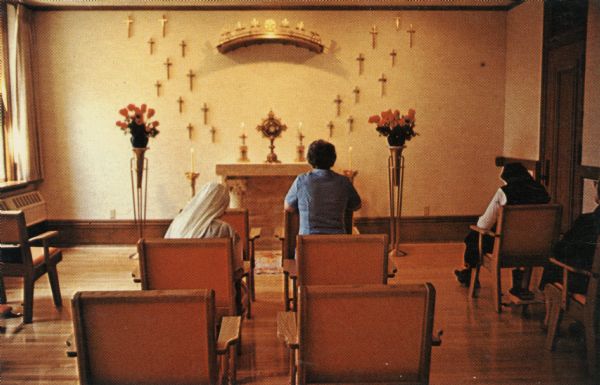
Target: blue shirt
(322, 197)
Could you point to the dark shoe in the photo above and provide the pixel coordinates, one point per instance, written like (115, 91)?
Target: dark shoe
(521, 293)
(463, 276)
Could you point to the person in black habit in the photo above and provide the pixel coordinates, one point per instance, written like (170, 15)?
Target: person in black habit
(520, 189)
(576, 248)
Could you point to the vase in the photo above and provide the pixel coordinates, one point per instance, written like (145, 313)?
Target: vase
(139, 164)
(395, 186)
(395, 163)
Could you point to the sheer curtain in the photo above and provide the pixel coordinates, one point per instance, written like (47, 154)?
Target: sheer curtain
(21, 129)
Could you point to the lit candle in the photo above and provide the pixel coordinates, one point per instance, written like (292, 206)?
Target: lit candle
(299, 128)
(350, 158)
(243, 127)
(191, 160)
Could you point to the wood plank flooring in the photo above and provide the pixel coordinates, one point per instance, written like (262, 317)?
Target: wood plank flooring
(479, 346)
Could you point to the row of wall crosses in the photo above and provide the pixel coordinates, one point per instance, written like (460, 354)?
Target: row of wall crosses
(163, 22)
(374, 33)
(213, 132)
(190, 128)
(361, 58)
(151, 43)
(191, 75)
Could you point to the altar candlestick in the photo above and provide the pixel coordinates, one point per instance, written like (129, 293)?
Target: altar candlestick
(350, 158)
(243, 127)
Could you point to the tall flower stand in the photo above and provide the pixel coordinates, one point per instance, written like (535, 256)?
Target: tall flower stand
(139, 187)
(396, 181)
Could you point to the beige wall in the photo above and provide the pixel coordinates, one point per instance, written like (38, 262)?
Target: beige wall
(591, 105)
(87, 70)
(524, 39)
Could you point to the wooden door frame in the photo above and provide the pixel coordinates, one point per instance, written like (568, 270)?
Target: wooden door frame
(546, 160)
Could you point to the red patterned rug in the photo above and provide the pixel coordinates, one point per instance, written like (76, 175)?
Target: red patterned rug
(268, 262)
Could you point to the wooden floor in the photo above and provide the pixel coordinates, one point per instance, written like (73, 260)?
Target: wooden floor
(479, 346)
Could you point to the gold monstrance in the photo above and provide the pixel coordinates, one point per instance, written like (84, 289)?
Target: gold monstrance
(271, 128)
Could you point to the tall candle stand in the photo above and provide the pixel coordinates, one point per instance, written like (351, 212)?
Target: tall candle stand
(192, 176)
(300, 149)
(396, 184)
(351, 174)
(139, 187)
(243, 149)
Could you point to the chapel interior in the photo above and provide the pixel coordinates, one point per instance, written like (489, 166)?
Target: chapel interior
(238, 90)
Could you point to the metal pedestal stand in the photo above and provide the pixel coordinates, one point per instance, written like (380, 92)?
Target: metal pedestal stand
(396, 181)
(139, 189)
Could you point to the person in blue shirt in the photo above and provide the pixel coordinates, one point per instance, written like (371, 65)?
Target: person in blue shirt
(322, 196)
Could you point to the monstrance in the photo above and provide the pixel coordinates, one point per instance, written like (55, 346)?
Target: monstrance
(271, 128)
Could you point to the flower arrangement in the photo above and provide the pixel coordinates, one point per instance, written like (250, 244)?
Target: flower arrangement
(397, 128)
(136, 122)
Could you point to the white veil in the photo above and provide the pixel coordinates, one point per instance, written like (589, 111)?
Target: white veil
(194, 220)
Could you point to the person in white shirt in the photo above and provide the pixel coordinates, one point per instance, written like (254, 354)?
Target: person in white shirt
(520, 188)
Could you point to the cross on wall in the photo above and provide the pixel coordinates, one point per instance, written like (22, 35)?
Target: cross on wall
(191, 75)
(168, 64)
(360, 59)
(338, 101)
(163, 21)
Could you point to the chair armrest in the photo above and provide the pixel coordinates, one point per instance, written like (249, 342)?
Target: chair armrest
(573, 269)
(436, 339)
(44, 236)
(229, 333)
(483, 231)
(279, 233)
(255, 233)
(290, 267)
(287, 329)
(71, 347)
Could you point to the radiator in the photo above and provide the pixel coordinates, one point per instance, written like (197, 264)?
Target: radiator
(31, 203)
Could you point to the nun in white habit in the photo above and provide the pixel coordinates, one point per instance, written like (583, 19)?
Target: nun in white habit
(200, 218)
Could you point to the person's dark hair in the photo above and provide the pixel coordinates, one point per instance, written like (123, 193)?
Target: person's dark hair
(321, 154)
(514, 172)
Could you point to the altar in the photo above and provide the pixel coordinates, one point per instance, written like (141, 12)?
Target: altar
(261, 188)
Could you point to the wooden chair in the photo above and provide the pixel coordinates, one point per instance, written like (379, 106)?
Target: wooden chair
(360, 334)
(238, 219)
(168, 264)
(524, 237)
(581, 307)
(337, 260)
(291, 227)
(152, 337)
(21, 259)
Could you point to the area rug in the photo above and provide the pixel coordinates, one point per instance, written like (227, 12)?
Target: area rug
(267, 262)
